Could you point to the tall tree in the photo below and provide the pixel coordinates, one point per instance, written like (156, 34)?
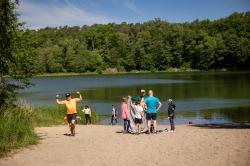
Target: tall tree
(10, 64)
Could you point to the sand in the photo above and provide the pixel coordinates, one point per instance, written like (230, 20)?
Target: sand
(98, 145)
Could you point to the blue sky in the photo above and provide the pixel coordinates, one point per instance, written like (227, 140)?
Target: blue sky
(42, 13)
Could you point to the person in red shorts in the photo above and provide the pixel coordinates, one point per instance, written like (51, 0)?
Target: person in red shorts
(71, 109)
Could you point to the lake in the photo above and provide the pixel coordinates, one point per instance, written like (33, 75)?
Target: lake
(202, 97)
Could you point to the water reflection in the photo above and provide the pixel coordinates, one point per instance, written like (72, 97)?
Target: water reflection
(220, 115)
(191, 91)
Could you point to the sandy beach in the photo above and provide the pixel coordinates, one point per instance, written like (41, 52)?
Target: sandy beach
(96, 145)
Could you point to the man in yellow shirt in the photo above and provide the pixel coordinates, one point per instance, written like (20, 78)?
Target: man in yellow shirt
(71, 109)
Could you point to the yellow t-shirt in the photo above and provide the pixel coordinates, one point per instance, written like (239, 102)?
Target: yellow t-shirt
(71, 106)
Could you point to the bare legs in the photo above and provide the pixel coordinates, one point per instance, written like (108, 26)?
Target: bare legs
(72, 128)
(149, 126)
(155, 126)
(138, 128)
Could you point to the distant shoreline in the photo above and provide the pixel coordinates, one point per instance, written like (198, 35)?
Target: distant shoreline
(115, 72)
(133, 72)
(172, 70)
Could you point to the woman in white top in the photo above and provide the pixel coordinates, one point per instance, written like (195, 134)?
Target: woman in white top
(87, 113)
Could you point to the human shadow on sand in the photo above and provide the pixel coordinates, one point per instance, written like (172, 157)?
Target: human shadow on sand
(224, 126)
(144, 132)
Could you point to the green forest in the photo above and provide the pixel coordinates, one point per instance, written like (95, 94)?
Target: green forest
(156, 45)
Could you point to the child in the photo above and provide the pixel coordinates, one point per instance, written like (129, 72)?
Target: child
(171, 109)
(124, 111)
(87, 113)
(138, 115)
(114, 115)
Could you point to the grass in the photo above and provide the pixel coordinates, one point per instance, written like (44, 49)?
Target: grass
(16, 129)
(17, 124)
(47, 116)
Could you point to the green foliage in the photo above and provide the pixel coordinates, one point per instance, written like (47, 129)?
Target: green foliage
(14, 61)
(47, 116)
(154, 45)
(16, 129)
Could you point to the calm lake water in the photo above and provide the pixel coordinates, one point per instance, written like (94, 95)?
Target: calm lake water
(204, 97)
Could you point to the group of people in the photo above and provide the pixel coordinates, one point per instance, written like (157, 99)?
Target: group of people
(143, 108)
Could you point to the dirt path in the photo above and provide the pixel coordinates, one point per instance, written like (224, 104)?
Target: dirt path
(100, 145)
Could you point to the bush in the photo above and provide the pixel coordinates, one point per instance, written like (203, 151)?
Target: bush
(47, 116)
(16, 129)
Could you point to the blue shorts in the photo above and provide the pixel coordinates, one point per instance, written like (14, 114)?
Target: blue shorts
(71, 117)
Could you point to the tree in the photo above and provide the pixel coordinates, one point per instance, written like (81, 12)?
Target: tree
(10, 44)
(153, 45)
(49, 59)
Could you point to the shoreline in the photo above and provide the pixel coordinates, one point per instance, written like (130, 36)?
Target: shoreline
(133, 72)
(65, 74)
(110, 73)
(106, 145)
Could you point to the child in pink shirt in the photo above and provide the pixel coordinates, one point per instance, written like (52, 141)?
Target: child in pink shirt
(124, 110)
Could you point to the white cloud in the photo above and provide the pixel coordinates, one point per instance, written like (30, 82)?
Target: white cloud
(40, 15)
(130, 4)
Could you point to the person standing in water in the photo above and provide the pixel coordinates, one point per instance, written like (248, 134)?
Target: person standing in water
(153, 106)
(171, 110)
(87, 114)
(71, 109)
(114, 115)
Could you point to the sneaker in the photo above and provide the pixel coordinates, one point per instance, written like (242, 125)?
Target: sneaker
(166, 130)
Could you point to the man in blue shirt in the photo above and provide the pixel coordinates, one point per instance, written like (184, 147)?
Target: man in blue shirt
(153, 105)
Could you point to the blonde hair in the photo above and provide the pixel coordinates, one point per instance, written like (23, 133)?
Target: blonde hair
(124, 99)
(150, 93)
